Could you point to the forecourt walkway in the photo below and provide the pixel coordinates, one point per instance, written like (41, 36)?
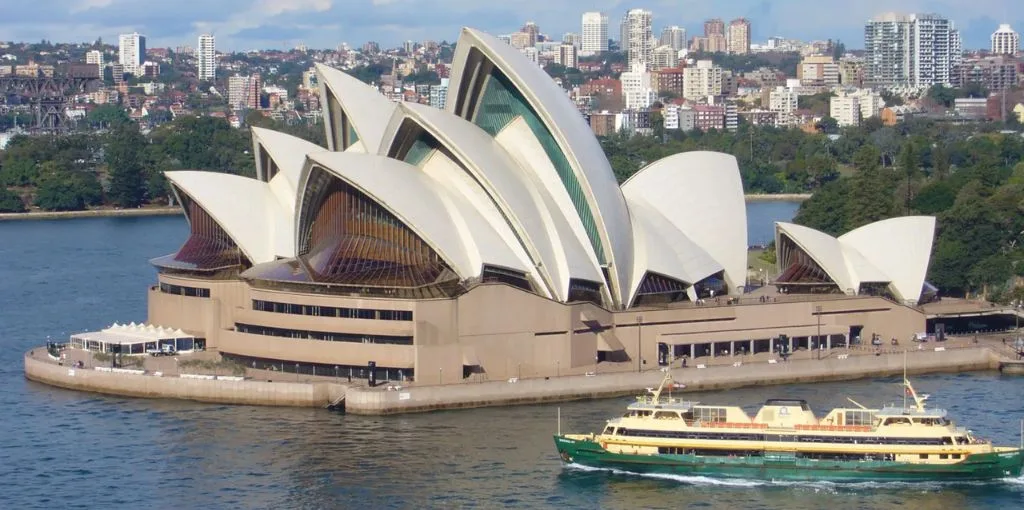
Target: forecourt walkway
(957, 355)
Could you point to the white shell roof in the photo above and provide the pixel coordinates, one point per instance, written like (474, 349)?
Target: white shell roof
(661, 248)
(894, 251)
(444, 220)
(368, 111)
(542, 228)
(575, 138)
(247, 209)
(701, 194)
(289, 152)
(900, 248)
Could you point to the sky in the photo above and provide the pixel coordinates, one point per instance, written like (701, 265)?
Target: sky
(261, 24)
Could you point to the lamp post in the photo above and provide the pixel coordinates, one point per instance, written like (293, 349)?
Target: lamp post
(639, 337)
(817, 311)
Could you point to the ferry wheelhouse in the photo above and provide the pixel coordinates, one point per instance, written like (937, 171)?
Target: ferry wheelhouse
(786, 441)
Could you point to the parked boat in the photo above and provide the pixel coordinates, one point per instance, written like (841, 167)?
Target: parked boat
(786, 441)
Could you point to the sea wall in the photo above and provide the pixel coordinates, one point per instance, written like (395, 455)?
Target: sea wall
(379, 401)
(248, 392)
(91, 213)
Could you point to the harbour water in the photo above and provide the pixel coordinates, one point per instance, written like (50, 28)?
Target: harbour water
(64, 449)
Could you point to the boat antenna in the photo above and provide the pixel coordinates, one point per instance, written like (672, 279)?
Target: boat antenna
(559, 421)
(858, 404)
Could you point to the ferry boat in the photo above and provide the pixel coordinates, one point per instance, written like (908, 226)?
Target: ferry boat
(786, 441)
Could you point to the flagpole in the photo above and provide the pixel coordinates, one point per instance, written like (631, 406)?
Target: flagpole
(904, 379)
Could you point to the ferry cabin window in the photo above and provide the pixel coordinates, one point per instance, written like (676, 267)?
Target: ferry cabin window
(709, 414)
(608, 430)
(924, 455)
(859, 418)
(943, 456)
(956, 455)
(666, 415)
(899, 420)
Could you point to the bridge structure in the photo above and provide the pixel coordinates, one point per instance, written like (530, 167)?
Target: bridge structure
(48, 96)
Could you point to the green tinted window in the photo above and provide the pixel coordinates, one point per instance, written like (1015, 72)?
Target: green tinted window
(499, 105)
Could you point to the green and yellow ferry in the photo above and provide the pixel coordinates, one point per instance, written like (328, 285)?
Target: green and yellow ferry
(785, 441)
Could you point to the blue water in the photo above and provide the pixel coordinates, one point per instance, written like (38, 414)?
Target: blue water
(64, 449)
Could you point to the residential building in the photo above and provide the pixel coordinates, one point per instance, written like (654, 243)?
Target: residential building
(206, 58)
(714, 26)
(572, 38)
(638, 39)
(916, 50)
(150, 69)
(439, 94)
(132, 52)
(594, 37)
(531, 54)
(1019, 111)
(244, 91)
(95, 57)
(784, 102)
(117, 73)
(995, 73)
(971, 108)
(521, 40)
(849, 108)
(851, 71)
(664, 57)
(673, 36)
(818, 71)
(567, 55)
(669, 81)
(637, 93)
(702, 80)
(1005, 41)
(715, 38)
(606, 93)
(739, 36)
(760, 117)
(708, 117)
(533, 31)
(732, 119)
(605, 123)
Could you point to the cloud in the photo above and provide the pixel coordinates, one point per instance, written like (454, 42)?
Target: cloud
(85, 5)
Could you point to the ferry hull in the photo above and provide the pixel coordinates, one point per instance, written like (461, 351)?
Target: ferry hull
(984, 466)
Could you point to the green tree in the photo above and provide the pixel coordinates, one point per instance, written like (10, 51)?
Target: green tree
(124, 156)
(10, 201)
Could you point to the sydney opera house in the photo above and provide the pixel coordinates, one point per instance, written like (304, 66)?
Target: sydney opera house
(491, 240)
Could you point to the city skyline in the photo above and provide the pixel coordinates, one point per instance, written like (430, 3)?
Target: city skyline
(264, 24)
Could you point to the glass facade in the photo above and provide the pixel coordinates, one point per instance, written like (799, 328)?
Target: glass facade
(499, 104)
(348, 238)
(208, 248)
(331, 311)
(323, 369)
(180, 290)
(420, 150)
(302, 334)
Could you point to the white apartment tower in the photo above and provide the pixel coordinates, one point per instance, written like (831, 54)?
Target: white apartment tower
(594, 38)
(673, 36)
(1005, 41)
(567, 55)
(206, 58)
(784, 102)
(638, 39)
(95, 57)
(132, 52)
(917, 50)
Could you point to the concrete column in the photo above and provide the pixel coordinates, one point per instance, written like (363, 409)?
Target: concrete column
(751, 350)
(732, 348)
(828, 342)
(712, 349)
(771, 345)
(790, 344)
(693, 351)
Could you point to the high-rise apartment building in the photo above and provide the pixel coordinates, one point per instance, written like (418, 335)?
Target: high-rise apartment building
(571, 38)
(1005, 41)
(818, 71)
(714, 26)
(702, 80)
(439, 94)
(917, 50)
(638, 38)
(567, 55)
(664, 57)
(673, 36)
(132, 52)
(783, 101)
(739, 36)
(206, 58)
(532, 29)
(244, 91)
(594, 38)
(95, 57)
(637, 93)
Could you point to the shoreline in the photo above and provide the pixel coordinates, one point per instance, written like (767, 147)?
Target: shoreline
(172, 210)
(91, 213)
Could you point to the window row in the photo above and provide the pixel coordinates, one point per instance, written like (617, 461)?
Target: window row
(331, 311)
(180, 290)
(322, 335)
